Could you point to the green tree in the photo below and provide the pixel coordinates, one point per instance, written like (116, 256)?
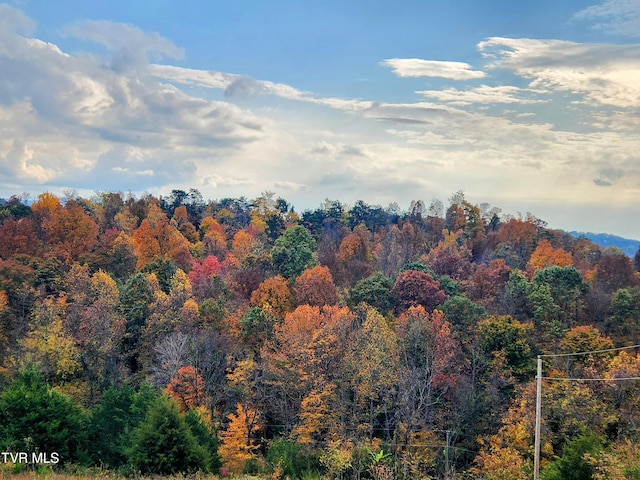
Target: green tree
(567, 289)
(135, 297)
(375, 291)
(505, 336)
(163, 444)
(573, 465)
(35, 418)
(292, 253)
(113, 419)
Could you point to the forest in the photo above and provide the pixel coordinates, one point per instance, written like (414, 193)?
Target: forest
(144, 335)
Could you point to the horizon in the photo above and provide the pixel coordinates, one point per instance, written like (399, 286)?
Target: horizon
(528, 108)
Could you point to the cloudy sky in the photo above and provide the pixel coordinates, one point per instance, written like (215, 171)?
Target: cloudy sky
(528, 106)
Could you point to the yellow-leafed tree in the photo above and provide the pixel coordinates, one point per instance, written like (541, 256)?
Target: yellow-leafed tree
(238, 445)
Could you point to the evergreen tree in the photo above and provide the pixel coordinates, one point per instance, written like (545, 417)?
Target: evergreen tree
(164, 445)
(35, 418)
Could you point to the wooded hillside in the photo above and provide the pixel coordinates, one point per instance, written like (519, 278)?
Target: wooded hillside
(174, 334)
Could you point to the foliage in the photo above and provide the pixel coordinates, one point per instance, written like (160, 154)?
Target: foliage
(296, 345)
(163, 443)
(292, 253)
(375, 291)
(34, 417)
(573, 465)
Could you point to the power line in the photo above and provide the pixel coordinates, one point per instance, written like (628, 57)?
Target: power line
(539, 378)
(615, 379)
(589, 353)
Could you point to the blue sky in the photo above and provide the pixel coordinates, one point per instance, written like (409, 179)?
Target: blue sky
(525, 106)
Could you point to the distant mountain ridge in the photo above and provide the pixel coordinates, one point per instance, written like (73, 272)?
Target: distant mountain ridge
(627, 245)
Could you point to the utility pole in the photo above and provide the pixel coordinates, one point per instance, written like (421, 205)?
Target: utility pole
(536, 453)
(446, 453)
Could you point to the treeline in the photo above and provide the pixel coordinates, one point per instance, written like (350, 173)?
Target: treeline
(174, 334)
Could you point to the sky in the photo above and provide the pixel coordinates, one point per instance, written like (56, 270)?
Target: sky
(524, 106)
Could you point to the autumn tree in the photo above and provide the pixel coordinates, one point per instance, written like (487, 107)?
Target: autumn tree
(546, 256)
(315, 286)
(186, 388)
(505, 454)
(373, 362)
(49, 345)
(417, 288)
(615, 270)
(303, 361)
(237, 440)
(69, 231)
(355, 258)
(586, 338)
(430, 369)
(202, 276)
(274, 296)
(214, 237)
(18, 237)
(488, 282)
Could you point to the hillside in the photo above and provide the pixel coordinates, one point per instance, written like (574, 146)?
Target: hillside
(628, 246)
(353, 342)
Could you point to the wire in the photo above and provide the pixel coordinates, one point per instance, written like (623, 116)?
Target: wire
(589, 353)
(590, 379)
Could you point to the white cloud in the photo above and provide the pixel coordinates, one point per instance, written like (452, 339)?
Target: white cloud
(86, 121)
(603, 74)
(69, 111)
(130, 47)
(415, 67)
(617, 17)
(484, 94)
(235, 85)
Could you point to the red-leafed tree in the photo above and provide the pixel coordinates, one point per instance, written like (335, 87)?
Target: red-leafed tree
(315, 287)
(414, 288)
(187, 388)
(201, 276)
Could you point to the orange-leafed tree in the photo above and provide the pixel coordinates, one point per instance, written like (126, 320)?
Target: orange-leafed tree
(355, 258)
(243, 244)
(303, 362)
(146, 245)
(187, 388)
(315, 286)
(274, 296)
(180, 221)
(213, 236)
(237, 440)
(70, 232)
(546, 256)
(156, 238)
